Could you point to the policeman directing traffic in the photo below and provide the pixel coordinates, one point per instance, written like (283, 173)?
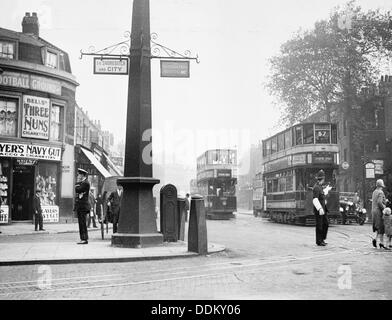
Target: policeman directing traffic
(320, 209)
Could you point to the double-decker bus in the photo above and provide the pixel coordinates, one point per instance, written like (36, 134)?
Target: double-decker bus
(216, 182)
(291, 160)
(258, 194)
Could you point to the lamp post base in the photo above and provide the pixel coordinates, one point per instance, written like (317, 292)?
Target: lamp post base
(137, 223)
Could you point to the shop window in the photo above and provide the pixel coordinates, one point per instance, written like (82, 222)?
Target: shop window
(51, 59)
(323, 133)
(8, 117)
(7, 50)
(308, 133)
(55, 122)
(4, 190)
(46, 181)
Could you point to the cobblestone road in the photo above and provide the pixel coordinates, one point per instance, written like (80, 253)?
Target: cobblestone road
(263, 260)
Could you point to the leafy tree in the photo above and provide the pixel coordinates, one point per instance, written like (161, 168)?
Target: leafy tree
(330, 63)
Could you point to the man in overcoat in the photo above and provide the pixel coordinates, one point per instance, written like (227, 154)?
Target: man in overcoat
(320, 209)
(82, 204)
(114, 201)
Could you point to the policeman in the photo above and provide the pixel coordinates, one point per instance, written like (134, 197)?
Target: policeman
(320, 209)
(82, 204)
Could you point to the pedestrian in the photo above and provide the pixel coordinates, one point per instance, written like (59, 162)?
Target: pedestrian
(99, 207)
(114, 201)
(320, 210)
(92, 215)
(82, 204)
(378, 205)
(388, 226)
(187, 206)
(37, 209)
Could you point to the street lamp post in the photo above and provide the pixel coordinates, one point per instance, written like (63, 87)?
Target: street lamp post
(137, 222)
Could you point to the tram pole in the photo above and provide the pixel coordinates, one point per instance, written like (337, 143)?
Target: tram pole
(137, 224)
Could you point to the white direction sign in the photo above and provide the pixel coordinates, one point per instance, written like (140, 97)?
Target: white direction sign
(110, 65)
(174, 69)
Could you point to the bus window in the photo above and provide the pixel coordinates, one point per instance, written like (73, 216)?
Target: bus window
(334, 134)
(274, 145)
(298, 135)
(308, 133)
(281, 142)
(322, 132)
(287, 139)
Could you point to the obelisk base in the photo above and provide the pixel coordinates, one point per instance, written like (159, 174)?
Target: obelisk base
(137, 223)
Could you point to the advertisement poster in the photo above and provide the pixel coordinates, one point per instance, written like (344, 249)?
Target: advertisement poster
(19, 150)
(50, 214)
(4, 214)
(35, 117)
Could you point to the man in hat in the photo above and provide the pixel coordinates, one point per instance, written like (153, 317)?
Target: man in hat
(114, 202)
(320, 209)
(82, 204)
(378, 206)
(37, 209)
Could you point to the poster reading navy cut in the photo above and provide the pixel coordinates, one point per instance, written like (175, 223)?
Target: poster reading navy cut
(35, 117)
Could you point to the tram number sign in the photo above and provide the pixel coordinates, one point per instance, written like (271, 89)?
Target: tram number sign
(174, 69)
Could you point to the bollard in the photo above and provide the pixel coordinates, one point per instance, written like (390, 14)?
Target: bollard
(181, 218)
(197, 230)
(168, 213)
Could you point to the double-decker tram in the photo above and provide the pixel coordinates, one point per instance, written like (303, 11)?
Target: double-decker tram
(216, 182)
(258, 194)
(291, 160)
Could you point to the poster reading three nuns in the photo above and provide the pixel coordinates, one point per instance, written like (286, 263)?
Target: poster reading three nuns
(35, 118)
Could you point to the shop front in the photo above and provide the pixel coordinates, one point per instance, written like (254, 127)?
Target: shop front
(25, 168)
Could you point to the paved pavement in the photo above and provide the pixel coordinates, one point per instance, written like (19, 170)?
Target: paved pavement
(97, 250)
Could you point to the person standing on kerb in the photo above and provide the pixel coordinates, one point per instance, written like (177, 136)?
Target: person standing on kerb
(38, 219)
(320, 209)
(187, 206)
(114, 201)
(82, 204)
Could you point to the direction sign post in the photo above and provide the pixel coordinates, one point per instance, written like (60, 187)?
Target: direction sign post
(174, 69)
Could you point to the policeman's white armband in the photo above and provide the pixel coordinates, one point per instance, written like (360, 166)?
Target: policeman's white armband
(317, 204)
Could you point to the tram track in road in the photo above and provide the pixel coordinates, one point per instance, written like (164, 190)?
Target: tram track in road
(129, 279)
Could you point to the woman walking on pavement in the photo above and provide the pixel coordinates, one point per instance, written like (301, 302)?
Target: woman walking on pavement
(378, 205)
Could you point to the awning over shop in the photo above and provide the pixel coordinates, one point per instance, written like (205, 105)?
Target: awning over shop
(94, 161)
(113, 166)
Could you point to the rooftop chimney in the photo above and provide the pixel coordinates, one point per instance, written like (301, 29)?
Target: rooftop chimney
(30, 24)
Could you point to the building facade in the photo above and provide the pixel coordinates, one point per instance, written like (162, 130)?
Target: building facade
(37, 109)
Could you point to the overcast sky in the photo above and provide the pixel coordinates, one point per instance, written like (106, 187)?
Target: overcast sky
(224, 95)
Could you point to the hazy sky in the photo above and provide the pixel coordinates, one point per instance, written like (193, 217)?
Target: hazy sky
(224, 95)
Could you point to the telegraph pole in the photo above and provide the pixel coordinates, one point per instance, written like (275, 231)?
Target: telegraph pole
(137, 223)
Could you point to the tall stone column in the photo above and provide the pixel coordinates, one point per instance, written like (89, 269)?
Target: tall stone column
(137, 223)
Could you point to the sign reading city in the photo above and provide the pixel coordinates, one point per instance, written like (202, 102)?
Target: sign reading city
(35, 117)
(111, 66)
(174, 69)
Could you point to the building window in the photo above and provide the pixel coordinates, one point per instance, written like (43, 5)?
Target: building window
(344, 128)
(55, 123)
(345, 154)
(8, 117)
(51, 59)
(376, 147)
(7, 50)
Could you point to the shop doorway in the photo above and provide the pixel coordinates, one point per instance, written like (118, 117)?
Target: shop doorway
(22, 193)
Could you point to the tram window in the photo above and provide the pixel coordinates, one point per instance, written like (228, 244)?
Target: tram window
(281, 142)
(287, 139)
(275, 185)
(281, 184)
(268, 147)
(298, 135)
(289, 183)
(232, 157)
(334, 134)
(269, 186)
(273, 145)
(308, 133)
(322, 133)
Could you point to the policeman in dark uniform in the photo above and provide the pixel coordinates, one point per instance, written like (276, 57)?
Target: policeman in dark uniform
(82, 204)
(320, 209)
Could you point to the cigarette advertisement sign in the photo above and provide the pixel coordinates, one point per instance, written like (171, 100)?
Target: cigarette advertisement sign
(20, 150)
(4, 214)
(50, 213)
(35, 117)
